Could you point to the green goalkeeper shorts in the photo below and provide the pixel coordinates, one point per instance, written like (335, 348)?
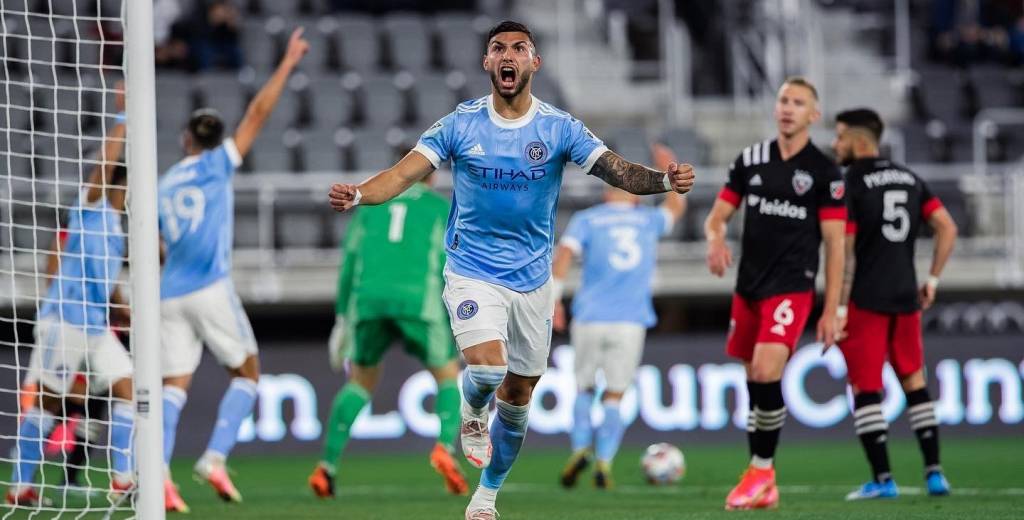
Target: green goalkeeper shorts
(430, 342)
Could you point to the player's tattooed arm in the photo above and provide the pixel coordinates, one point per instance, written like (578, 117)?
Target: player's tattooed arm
(639, 179)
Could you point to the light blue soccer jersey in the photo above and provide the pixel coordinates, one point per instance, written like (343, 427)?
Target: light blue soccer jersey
(91, 258)
(197, 215)
(507, 176)
(618, 244)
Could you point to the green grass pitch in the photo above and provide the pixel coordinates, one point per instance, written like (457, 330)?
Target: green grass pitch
(813, 477)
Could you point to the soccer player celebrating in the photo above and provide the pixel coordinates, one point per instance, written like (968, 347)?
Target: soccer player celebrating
(389, 288)
(198, 301)
(73, 331)
(508, 150)
(887, 203)
(794, 200)
(612, 310)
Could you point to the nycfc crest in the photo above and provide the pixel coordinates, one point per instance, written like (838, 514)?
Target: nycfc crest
(467, 309)
(802, 182)
(536, 152)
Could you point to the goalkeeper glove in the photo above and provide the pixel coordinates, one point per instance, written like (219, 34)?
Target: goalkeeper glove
(337, 344)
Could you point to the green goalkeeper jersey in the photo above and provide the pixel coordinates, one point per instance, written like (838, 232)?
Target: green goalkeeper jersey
(392, 259)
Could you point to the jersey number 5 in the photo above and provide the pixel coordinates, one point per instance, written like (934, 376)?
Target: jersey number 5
(627, 253)
(187, 205)
(895, 214)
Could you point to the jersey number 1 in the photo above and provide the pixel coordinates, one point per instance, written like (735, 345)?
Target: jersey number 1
(396, 228)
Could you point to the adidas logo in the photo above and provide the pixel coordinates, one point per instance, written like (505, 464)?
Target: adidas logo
(756, 180)
(477, 150)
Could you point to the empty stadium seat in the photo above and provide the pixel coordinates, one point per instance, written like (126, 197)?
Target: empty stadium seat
(360, 44)
(462, 46)
(370, 150)
(382, 104)
(299, 229)
(432, 99)
(629, 142)
(408, 41)
(687, 144)
(334, 105)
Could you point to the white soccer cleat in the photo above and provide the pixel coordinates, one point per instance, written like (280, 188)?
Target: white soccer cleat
(476, 439)
(481, 513)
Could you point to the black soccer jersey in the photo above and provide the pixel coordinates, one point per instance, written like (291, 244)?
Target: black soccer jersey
(886, 203)
(784, 203)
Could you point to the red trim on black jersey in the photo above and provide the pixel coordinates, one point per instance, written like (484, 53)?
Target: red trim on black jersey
(730, 196)
(832, 213)
(851, 227)
(930, 206)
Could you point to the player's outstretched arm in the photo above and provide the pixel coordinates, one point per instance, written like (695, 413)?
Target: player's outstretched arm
(263, 104)
(384, 186)
(945, 238)
(109, 154)
(639, 179)
(719, 257)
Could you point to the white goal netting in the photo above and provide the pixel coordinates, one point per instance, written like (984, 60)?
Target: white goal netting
(65, 410)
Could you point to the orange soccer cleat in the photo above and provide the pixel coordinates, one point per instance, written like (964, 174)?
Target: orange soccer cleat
(173, 502)
(321, 482)
(26, 497)
(216, 474)
(756, 490)
(443, 462)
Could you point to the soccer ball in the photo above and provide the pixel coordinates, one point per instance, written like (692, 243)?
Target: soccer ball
(663, 464)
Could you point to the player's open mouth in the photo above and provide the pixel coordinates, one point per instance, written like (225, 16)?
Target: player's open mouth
(507, 76)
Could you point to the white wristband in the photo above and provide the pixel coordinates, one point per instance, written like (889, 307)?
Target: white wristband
(933, 282)
(557, 287)
(667, 183)
(842, 312)
(357, 198)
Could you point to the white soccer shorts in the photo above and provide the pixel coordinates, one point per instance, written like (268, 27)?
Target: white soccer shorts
(480, 311)
(613, 347)
(64, 350)
(212, 315)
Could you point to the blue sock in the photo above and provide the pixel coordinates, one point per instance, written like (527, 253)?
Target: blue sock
(174, 400)
(479, 382)
(121, 420)
(582, 435)
(507, 433)
(235, 406)
(33, 431)
(609, 434)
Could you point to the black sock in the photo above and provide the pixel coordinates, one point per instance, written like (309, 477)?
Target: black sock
(769, 416)
(921, 410)
(750, 418)
(95, 410)
(873, 432)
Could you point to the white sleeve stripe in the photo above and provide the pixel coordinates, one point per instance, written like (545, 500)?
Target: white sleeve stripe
(232, 150)
(670, 221)
(766, 151)
(756, 154)
(592, 158)
(424, 150)
(746, 156)
(574, 245)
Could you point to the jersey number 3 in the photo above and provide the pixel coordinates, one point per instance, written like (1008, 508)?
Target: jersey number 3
(627, 252)
(895, 214)
(183, 211)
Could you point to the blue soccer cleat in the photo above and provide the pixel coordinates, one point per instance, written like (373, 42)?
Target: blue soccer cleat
(873, 489)
(938, 486)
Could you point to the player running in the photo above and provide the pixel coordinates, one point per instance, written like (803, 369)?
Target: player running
(794, 200)
(507, 151)
(390, 288)
(887, 203)
(73, 330)
(618, 244)
(198, 301)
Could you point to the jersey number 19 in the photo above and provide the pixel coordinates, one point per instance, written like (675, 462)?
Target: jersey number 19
(185, 209)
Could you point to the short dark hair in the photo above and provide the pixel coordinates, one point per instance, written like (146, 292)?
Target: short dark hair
(863, 118)
(206, 127)
(510, 26)
(801, 81)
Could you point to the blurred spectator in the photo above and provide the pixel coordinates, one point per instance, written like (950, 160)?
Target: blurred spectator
(171, 35)
(165, 13)
(967, 32)
(216, 42)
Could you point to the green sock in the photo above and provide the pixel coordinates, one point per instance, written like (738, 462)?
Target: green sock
(446, 405)
(348, 402)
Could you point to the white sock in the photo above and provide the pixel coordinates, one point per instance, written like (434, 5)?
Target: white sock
(760, 463)
(483, 497)
(212, 458)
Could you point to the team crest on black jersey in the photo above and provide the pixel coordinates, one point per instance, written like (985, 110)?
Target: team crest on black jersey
(536, 152)
(837, 189)
(802, 182)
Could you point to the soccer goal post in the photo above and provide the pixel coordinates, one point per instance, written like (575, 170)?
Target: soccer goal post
(80, 382)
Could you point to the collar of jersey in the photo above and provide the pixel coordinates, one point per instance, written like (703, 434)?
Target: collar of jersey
(617, 204)
(518, 122)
